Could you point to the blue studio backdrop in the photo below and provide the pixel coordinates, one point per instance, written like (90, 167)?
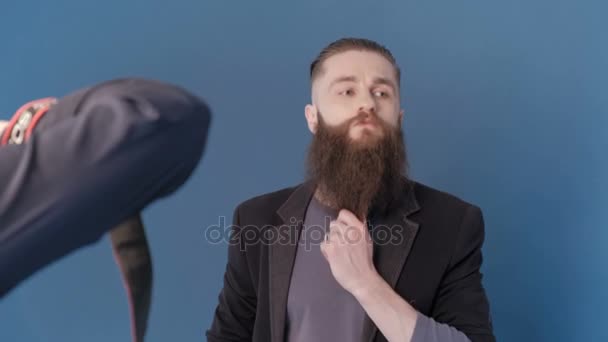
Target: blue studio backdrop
(506, 107)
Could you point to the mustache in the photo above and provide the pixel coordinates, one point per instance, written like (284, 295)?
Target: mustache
(342, 128)
(364, 116)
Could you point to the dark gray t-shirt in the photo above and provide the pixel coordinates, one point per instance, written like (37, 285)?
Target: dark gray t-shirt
(318, 308)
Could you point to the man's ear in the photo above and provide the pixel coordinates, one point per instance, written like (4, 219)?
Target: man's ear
(310, 112)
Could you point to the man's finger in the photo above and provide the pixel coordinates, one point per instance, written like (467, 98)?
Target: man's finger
(324, 247)
(335, 226)
(348, 217)
(335, 233)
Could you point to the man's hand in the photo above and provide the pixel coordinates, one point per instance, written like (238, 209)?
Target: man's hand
(349, 250)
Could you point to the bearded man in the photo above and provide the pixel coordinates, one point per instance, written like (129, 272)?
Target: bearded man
(358, 251)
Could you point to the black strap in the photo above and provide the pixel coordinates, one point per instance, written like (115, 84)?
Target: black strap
(132, 255)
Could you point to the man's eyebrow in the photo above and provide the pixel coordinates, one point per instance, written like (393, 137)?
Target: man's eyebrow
(386, 81)
(343, 79)
(377, 80)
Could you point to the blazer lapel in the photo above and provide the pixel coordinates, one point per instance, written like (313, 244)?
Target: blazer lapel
(282, 255)
(391, 250)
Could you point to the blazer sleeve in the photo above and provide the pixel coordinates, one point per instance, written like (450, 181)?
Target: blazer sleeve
(235, 314)
(462, 301)
(99, 156)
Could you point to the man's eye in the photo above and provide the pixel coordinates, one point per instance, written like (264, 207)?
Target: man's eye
(380, 93)
(347, 92)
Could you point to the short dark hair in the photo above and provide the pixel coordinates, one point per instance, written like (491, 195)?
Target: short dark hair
(348, 44)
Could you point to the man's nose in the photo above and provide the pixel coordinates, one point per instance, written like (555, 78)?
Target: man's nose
(367, 103)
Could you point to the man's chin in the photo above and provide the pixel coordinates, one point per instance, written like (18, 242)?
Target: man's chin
(365, 138)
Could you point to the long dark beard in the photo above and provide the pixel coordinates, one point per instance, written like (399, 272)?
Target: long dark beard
(360, 176)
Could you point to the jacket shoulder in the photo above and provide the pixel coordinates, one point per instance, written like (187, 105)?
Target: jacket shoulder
(428, 196)
(268, 202)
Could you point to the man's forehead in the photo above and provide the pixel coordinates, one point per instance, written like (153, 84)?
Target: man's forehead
(357, 64)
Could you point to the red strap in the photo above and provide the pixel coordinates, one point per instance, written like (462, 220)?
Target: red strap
(36, 109)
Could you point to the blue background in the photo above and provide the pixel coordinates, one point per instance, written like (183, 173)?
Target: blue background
(506, 106)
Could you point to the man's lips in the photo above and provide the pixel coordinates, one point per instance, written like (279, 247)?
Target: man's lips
(366, 123)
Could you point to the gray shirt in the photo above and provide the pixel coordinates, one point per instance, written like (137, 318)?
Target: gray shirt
(319, 309)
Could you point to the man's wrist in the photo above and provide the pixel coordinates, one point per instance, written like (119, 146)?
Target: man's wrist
(372, 286)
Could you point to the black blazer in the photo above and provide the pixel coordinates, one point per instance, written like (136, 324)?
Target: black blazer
(434, 264)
